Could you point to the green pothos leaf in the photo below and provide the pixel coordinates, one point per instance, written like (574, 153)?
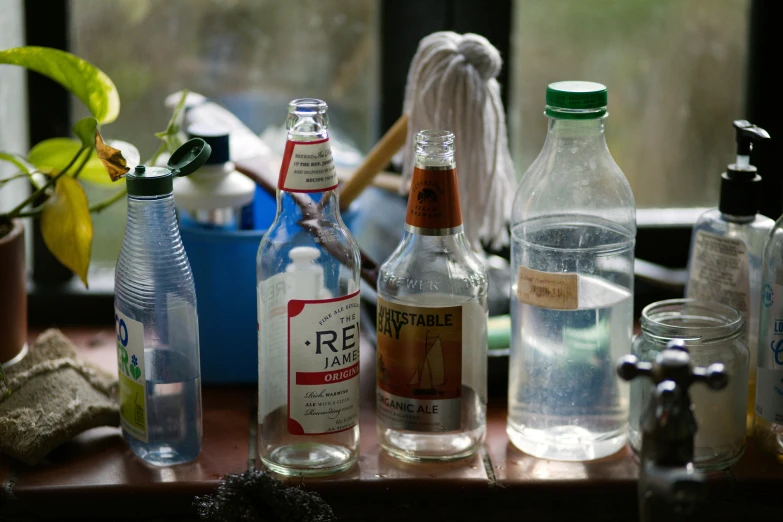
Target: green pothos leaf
(85, 130)
(88, 83)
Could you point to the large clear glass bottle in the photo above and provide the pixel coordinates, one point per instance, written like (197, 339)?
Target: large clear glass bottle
(432, 321)
(156, 320)
(768, 424)
(308, 312)
(572, 256)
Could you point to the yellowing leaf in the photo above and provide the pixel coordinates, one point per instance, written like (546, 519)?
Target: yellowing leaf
(112, 158)
(66, 226)
(84, 80)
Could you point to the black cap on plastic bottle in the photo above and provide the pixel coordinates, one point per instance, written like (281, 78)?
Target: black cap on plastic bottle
(216, 138)
(739, 185)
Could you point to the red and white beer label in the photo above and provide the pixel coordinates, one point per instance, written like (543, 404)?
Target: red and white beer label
(307, 167)
(323, 365)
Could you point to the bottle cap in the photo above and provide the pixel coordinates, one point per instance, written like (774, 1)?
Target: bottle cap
(576, 100)
(740, 184)
(159, 181)
(218, 140)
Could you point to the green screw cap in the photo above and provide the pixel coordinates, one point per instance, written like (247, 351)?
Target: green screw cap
(575, 100)
(159, 181)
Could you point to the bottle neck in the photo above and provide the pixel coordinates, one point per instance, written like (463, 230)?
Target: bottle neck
(733, 218)
(433, 203)
(295, 207)
(138, 202)
(590, 130)
(307, 166)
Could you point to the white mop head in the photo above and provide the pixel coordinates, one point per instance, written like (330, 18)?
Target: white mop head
(452, 86)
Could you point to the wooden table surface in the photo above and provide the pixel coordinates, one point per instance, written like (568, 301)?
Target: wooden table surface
(95, 475)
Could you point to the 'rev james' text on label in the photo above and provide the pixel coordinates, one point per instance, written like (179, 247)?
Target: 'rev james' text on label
(323, 365)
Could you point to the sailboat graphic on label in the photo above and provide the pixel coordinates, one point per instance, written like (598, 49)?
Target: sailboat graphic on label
(431, 370)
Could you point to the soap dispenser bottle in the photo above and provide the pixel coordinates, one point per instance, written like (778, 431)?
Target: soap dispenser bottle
(727, 246)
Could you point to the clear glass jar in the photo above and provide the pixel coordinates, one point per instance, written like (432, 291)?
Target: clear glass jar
(712, 333)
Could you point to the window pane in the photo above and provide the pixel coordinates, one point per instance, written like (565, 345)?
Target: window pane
(251, 56)
(675, 73)
(13, 104)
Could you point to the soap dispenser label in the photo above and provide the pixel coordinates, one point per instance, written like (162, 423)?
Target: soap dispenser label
(719, 272)
(323, 365)
(307, 167)
(132, 375)
(769, 380)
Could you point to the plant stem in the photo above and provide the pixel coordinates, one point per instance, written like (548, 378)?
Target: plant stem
(31, 213)
(157, 154)
(101, 205)
(18, 175)
(82, 164)
(51, 181)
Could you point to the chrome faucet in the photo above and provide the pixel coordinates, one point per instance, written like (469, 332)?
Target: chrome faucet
(669, 487)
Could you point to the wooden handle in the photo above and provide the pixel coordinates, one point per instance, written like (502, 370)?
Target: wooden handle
(379, 157)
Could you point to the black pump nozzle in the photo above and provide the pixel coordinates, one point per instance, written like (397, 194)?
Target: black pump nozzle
(747, 134)
(739, 187)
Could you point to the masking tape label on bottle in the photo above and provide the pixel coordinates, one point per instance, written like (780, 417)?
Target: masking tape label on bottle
(553, 290)
(307, 167)
(132, 375)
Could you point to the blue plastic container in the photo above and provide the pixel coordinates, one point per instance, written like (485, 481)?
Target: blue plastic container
(224, 270)
(223, 263)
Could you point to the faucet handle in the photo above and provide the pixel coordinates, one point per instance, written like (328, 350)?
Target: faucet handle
(630, 367)
(673, 364)
(714, 376)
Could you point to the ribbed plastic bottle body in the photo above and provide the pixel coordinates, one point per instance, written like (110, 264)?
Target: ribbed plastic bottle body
(154, 291)
(572, 256)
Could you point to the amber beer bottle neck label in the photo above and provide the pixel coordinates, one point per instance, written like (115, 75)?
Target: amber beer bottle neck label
(433, 204)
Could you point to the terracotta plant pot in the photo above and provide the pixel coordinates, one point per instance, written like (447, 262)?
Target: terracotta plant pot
(13, 294)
